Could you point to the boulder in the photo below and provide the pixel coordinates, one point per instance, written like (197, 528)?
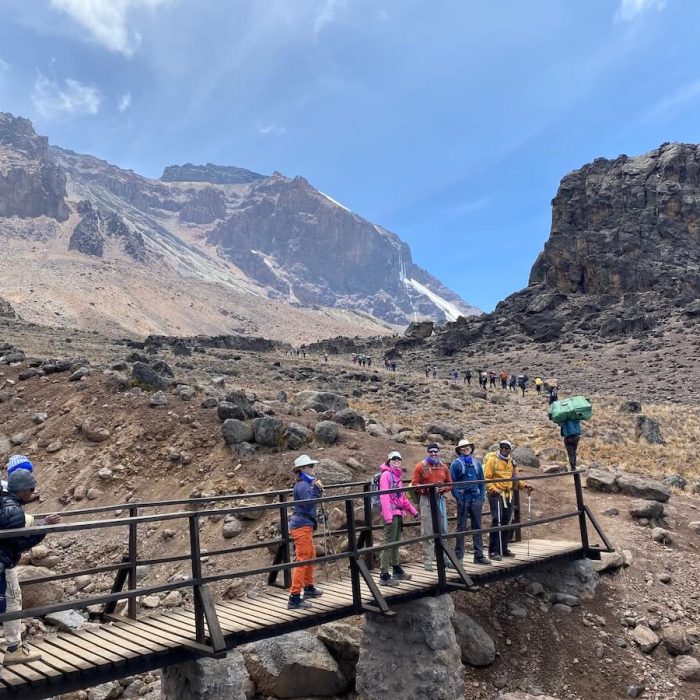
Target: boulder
(232, 527)
(428, 664)
(643, 487)
(478, 649)
(553, 454)
(269, 431)
(326, 432)
(94, 432)
(146, 377)
(688, 669)
(227, 410)
(576, 578)
(649, 429)
(238, 397)
(158, 399)
(378, 430)
(350, 419)
(653, 510)
(66, 620)
(332, 472)
(342, 639)
(676, 640)
(298, 436)
(525, 456)
(419, 329)
(644, 638)
(321, 401)
(631, 407)
(38, 594)
(662, 536)
(452, 433)
(293, 665)
(208, 679)
(609, 561)
(602, 480)
(236, 431)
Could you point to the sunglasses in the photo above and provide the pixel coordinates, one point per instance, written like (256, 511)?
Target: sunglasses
(433, 452)
(396, 459)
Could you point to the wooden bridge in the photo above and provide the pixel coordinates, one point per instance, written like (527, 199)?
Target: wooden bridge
(124, 645)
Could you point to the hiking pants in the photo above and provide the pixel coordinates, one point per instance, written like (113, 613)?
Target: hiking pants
(504, 384)
(426, 524)
(304, 548)
(468, 380)
(522, 386)
(3, 590)
(13, 603)
(538, 387)
(469, 510)
(500, 515)
(392, 533)
(571, 444)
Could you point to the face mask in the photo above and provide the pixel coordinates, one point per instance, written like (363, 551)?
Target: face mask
(433, 460)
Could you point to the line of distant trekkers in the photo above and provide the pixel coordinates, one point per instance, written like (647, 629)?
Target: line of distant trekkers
(463, 478)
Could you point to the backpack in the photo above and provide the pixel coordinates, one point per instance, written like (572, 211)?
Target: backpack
(374, 490)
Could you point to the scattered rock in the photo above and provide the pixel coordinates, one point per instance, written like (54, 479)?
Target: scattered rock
(525, 456)
(688, 669)
(350, 419)
(662, 536)
(236, 431)
(653, 510)
(645, 639)
(158, 399)
(326, 432)
(209, 679)
(321, 401)
(643, 487)
(452, 433)
(66, 620)
(269, 431)
(602, 480)
(478, 649)
(676, 640)
(232, 528)
(332, 472)
(649, 429)
(298, 436)
(94, 432)
(39, 594)
(342, 639)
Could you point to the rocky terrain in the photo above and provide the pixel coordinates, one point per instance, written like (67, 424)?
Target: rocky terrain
(110, 421)
(205, 249)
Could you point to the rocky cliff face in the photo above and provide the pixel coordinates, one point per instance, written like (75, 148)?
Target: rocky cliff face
(622, 258)
(273, 238)
(31, 184)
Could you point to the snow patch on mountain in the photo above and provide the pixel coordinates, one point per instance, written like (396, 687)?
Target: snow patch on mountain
(337, 204)
(450, 310)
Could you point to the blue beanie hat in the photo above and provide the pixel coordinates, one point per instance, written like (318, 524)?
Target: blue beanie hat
(20, 480)
(19, 462)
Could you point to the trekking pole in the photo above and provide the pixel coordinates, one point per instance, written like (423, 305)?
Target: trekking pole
(500, 532)
(529, 505)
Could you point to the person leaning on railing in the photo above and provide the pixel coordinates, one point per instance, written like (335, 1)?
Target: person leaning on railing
(21, 485)
(499, 465)
(302, 524)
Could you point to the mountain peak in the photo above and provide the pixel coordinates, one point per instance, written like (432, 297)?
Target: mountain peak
(211, 173)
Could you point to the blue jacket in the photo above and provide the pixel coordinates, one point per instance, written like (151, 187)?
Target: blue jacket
(304, 514)
(570, 427)
(468, 468)
(12, 518)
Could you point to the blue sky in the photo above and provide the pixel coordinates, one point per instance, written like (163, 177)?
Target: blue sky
(450, 123)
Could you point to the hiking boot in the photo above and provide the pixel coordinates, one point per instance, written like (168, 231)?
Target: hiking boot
(482, 560)
(312, 592)
(496, 557)
(23, 654)
(296, 602)
(508, 553)
(428, 565)
(386, 580)
(400, 574)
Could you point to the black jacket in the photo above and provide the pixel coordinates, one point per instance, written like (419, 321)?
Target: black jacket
(12, 518)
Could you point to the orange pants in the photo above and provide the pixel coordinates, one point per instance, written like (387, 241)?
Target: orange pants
(305, 549)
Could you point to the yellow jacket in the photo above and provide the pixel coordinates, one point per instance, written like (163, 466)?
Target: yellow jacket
(495, 467)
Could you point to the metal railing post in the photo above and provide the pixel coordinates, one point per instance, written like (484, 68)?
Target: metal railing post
(195, 555)
(133, 558)
(516, 535)
(580, 506)
(284, 529)
(439, 556)
(368, 532)
(354, 570)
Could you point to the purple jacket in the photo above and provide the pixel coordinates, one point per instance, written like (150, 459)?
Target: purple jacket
(393, 503)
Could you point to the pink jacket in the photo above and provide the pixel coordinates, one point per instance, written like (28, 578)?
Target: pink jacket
(393, 503)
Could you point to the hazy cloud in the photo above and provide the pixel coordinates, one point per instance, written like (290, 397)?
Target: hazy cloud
(631, 9)
(107, 20)
(4, 66)
(124, 102)
(271, 129)
(328, 13)
(53, 99)
(683, 95)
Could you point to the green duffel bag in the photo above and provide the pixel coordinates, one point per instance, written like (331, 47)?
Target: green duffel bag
(573, 408)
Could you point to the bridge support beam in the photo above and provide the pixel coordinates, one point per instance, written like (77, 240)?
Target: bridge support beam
(413, 655)
(208, 679)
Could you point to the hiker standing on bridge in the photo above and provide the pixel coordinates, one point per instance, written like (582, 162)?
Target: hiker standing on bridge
(470, 498)
(21, 485)
(499, 465)
(432, 470)
(302, 524)
(395, 506)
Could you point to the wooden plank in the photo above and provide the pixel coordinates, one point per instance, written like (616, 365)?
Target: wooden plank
(173, 639)
(171, 625)
(27, 673)
(61, 646)
(269, 610)
(10, 679)
(60, 660)
(241, 614)
(92, 647)
(127, 644)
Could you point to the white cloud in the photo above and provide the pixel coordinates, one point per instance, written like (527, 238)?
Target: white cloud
(382, 15)
(53, 99)
(685, 94)
(124, 102)
(631, 9)
(327, 14)
(107, 20)
(271, 129)
(4, 66)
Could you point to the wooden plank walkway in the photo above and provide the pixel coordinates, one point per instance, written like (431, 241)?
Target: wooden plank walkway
(124, 647)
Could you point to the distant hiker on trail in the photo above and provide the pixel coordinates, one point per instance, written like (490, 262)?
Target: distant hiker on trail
(395, 506)
(503, 376)
(427, 372)
(20, 488)
(538, 384)
(469, 497)
(369, 361)
(492, 379)
(499, 465)
(468, 377)
(386, 363)
(512, 382)
(432, 470)
(434, 371)
(553, 394)
(483, 379)
(455, 375)
(522, 382)
(302, 524)
(325, 357)
(571, 432)
(393, 365)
